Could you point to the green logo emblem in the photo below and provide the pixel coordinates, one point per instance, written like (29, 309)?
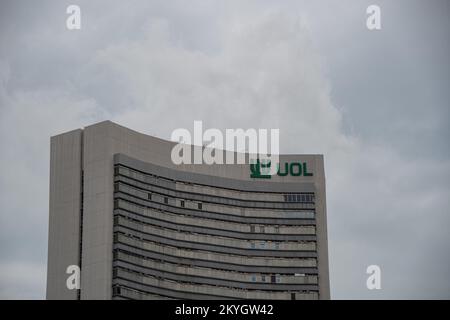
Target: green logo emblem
(255, 169)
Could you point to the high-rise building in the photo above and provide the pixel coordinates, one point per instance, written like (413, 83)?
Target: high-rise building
(141, 227)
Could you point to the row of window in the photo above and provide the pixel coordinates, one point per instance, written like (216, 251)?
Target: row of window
(264, 245)
(117, 291)
(273, 278)
(291, 197)
(182, 202)
(262, 229)
(168, 183)
(138, 259)
(310, 198)
(271, 229)
(199, 204)
(125, 238)
(299, 197)
(120, 203)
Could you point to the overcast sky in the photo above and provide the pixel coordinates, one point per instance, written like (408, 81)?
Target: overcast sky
(375, 103)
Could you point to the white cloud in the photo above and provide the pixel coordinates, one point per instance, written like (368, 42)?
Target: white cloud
(28, 119)
(266, 74)
(22, 280)
(388, 210)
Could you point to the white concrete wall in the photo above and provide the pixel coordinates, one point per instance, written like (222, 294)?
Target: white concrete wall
(64, 212)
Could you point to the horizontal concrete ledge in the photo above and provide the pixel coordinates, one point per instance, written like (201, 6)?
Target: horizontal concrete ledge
(207, 180)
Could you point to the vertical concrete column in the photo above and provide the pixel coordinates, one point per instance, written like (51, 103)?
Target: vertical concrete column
(322, 233)
(96, 272)
(64, 212)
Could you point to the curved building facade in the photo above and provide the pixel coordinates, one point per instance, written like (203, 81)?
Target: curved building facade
(141, 227)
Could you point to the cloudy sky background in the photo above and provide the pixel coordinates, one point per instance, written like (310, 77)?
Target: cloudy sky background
(375, 103)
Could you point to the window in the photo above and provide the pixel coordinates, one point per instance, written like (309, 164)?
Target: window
(149, 196)
(277, 278)
(262, 245)
(263, 278)
(182, 203)
(253, 245)
(272, 278)
(200, 206)
(252, 229)
(277, 246)
(292, 295)
(116, 290)
(261, 229)
(253, 278)
(299, 197)
(166, 200)
(277, 229)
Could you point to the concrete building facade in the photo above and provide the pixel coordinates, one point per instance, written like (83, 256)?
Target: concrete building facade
(141, 227)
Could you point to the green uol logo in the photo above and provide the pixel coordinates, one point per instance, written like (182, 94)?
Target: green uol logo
(296, 169)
